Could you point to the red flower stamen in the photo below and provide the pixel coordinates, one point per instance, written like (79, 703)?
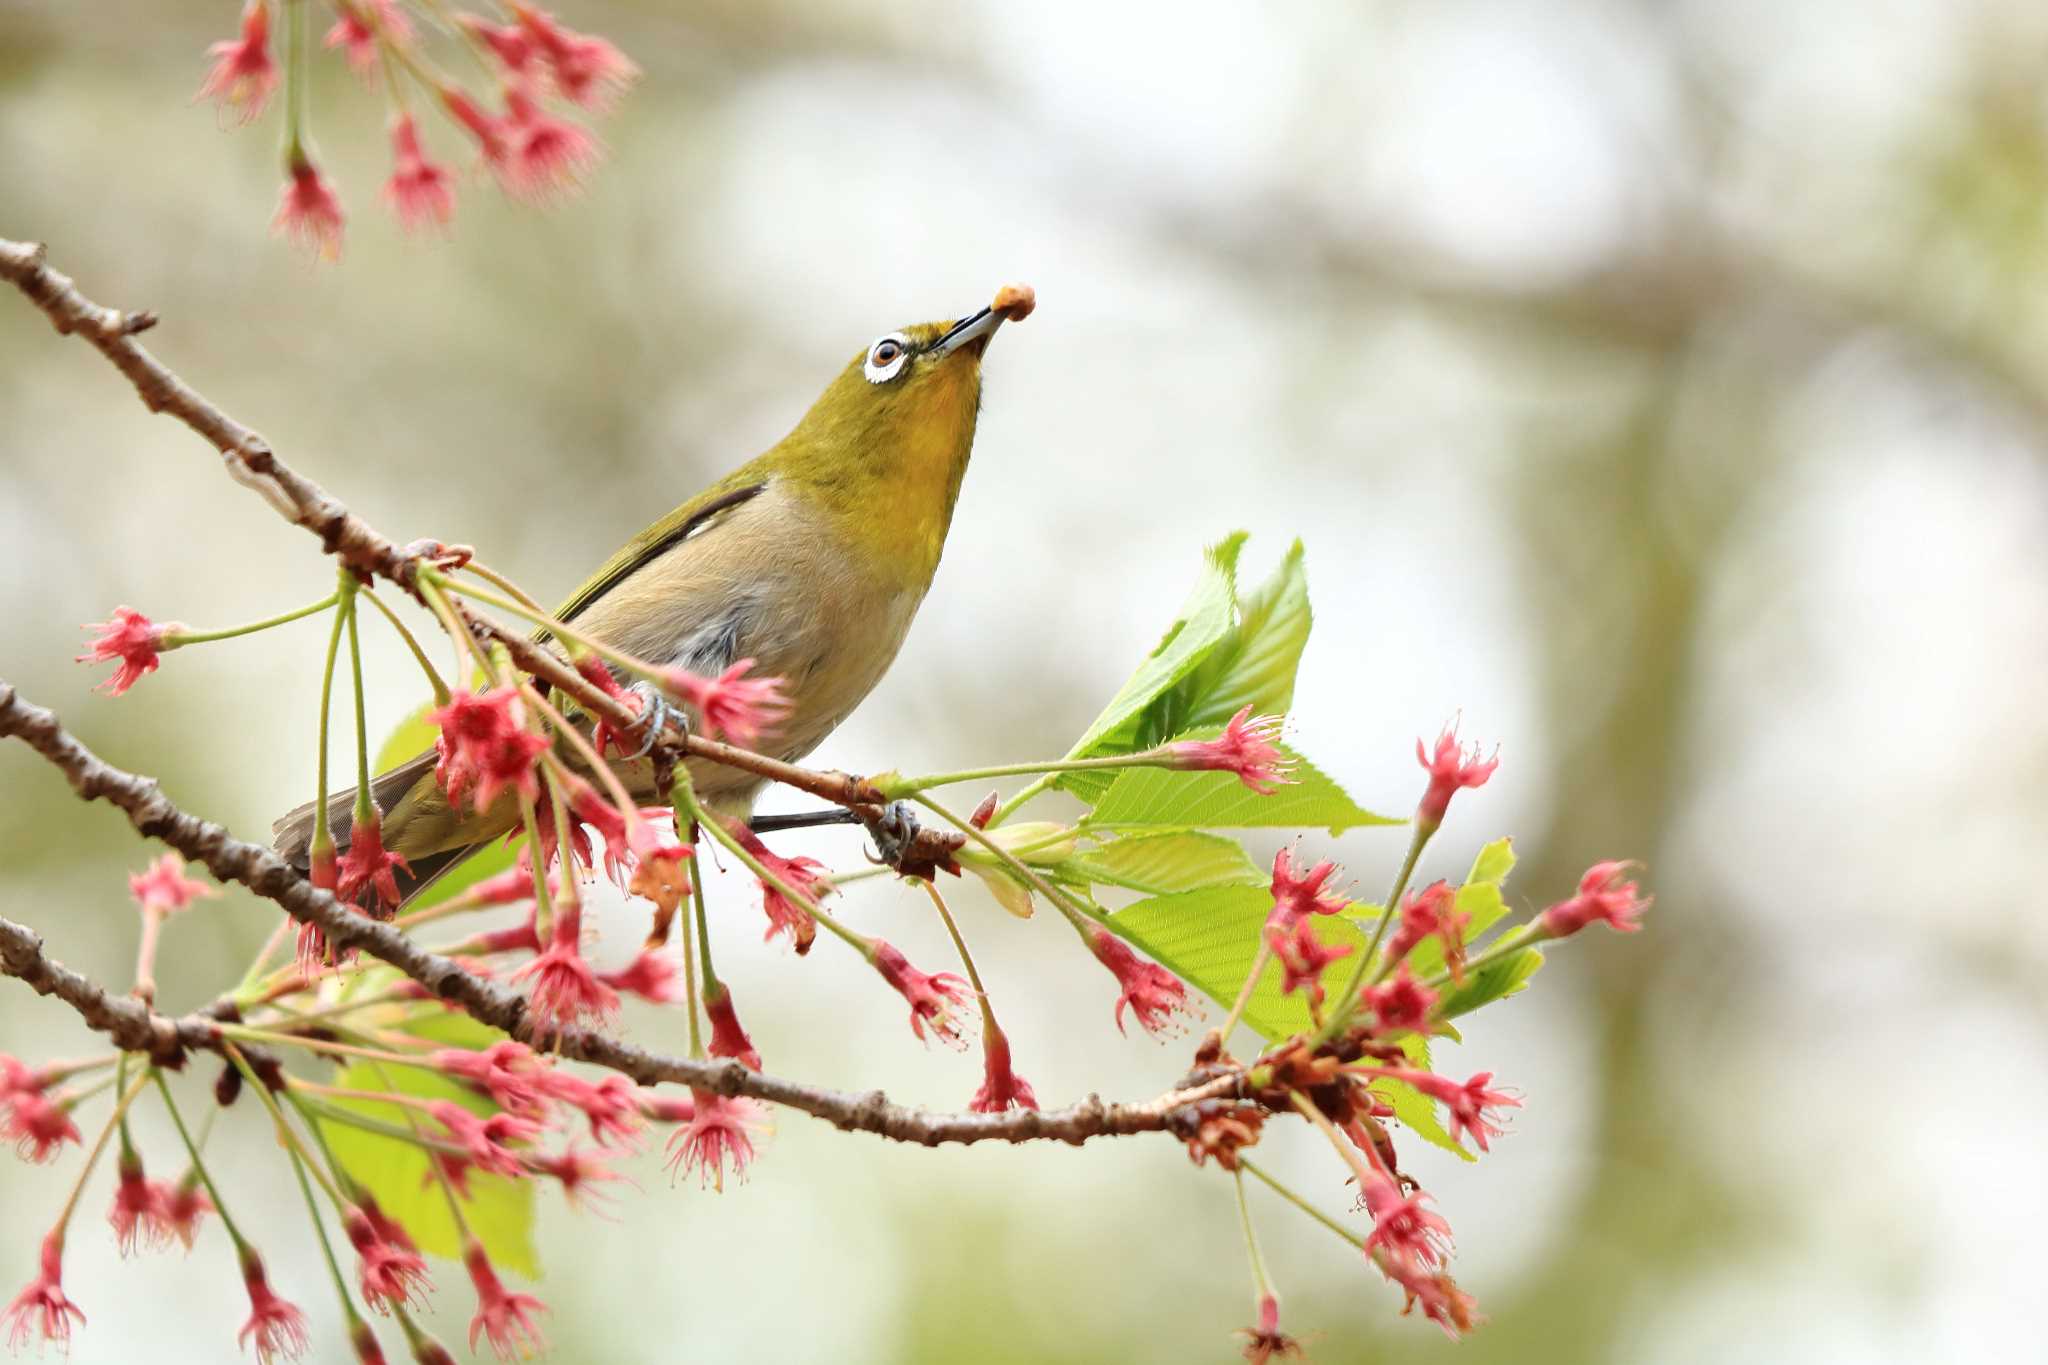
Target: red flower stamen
(1154, 995)
(932, 999)
(243, 75)
(731, 705)
(1450, 768)
(277, 1327)
(1001, 1087)
(1605, 897)
(420, 192)
(165, 889)
(367, 866)
(506, 1318)
(728, 1039)
(720, 1128)
(41, 1309)
(135, 640)
(308, 212)
(1297, 895)
(1245, 748)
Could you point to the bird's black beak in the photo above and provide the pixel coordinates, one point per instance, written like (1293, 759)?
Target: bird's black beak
(1014, 303)
(969, 334)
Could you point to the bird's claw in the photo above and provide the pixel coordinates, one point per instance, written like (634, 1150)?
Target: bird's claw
(907, 847)
(894, 831)
(656, 712)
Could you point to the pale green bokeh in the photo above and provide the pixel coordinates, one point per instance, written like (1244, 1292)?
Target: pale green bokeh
(1665, 385)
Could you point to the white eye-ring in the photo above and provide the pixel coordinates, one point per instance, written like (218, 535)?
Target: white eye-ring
(886, 358)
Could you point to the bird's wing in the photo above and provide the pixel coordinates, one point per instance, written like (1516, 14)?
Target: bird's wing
(663, 535)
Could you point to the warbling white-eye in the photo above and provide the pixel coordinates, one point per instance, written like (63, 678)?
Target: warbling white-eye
(810, 559)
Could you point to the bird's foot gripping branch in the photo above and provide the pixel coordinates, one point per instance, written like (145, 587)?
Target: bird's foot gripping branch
(431, 1053)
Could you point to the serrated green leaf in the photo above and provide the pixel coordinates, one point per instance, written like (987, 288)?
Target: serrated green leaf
(1254, 665)
(1495, 981)
(1479, 899)
(498, 1211)
(1415, 1110)
(1493, 864)
(1204, 620)
(1164, 862)
(1208, 938)
(1161, 796)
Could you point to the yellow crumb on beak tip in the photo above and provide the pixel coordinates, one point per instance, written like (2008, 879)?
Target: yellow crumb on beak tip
(1014, 302)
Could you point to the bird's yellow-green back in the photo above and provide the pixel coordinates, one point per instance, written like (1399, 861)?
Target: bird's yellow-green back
(810, 559)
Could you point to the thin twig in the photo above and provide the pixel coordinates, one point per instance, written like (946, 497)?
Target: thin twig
(133, 1025)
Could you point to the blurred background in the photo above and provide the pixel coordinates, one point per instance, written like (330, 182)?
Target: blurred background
(1662, 385)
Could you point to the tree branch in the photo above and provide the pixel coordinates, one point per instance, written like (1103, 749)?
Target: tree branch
(251, 461)
(130, 1022)
(134, 1026)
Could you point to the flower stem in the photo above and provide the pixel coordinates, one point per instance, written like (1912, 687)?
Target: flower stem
(286, 1138)
(1260, 1279)
(989, 1027)
(1346, 1150)
(543, 907)
(258, 1035)
(1077, 913)
(467, 659)
(1244, 996)
(616, 790)
(1017, 800)
(294, 84)
(1311, 1210)
(192, 1150)
(348, 1308)
(1364, 971)
(691, 922)
(99, 1146)
(553, 625)
(270, 945)
(492, 576)
(179, 639)
(323, 833)
(412, 642)
(959, 943)
(365, 810)
(1514, 940)
(893, 788)
(703, 930)
(145, 955)
(860, 943)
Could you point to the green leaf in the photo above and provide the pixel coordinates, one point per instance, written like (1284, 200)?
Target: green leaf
(1204, 620)
(1164, 862)
(1161, 796)
(1254, 665)
(1415, 1110)
(1496, 980)
(413, 737)
(499, 1211)
(1479, 898)
(1208, 938)
(1494, 863)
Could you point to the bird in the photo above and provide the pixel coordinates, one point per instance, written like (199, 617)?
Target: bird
(810, 559)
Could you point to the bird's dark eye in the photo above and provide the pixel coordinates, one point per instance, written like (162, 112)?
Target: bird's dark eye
(886, 358)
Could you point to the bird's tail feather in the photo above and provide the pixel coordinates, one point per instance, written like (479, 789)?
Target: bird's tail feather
(292, 833)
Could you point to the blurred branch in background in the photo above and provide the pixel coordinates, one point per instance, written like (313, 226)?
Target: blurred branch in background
(1707, 328)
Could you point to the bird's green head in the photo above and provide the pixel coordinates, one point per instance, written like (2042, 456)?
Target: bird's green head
(888, 440)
